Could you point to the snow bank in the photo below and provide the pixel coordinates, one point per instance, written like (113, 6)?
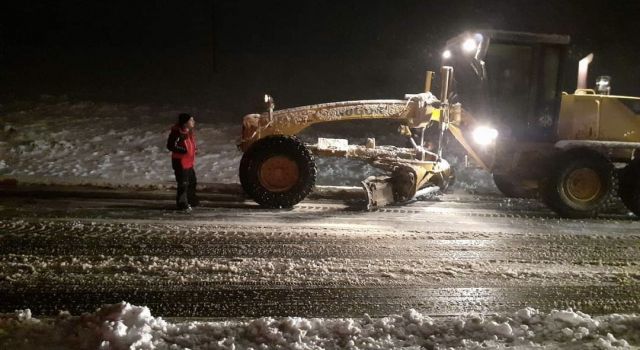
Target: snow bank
(97, 143)
(56, 141)
(125, 326)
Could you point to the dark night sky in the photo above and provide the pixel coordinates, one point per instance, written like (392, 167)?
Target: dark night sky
(225, 54)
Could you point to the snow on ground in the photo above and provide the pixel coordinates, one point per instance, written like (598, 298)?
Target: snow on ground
(96, 143)
(64, 142)
(126, 326)
(152, 270)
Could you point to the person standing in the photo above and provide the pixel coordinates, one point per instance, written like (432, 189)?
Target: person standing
(182, 144)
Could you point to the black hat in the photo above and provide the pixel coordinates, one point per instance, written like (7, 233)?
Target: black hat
(183, 118)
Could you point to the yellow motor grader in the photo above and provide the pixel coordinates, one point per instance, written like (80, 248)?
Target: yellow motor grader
(517, 123)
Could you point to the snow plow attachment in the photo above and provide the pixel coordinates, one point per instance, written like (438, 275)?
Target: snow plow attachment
(403, 185)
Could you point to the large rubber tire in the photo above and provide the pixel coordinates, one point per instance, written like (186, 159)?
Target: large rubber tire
(510, 188)
(284, 149)
(581, 184)
(630, 186)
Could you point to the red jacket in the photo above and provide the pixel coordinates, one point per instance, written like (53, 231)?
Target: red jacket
(182, 144)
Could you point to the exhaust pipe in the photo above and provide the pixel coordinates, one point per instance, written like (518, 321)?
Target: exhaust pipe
(583, 69)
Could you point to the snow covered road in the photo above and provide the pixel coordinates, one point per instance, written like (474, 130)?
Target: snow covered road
(229, 258)
(77, 250)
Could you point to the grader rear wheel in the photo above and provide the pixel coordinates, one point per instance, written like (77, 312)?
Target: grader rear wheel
(580, 184)
(510, 187)
(277, 171)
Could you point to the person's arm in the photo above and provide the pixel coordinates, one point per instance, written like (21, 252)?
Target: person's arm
(172, 143)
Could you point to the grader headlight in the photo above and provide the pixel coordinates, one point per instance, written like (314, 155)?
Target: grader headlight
(469, 45)
(484, 135)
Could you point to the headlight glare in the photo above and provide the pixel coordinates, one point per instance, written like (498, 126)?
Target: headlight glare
(484, 135)
(469, 45)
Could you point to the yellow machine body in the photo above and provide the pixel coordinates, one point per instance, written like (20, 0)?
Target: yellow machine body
(599, 117)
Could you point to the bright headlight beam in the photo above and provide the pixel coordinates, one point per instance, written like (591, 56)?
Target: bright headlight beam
(484, 135)
(469, 45)
(446, 54)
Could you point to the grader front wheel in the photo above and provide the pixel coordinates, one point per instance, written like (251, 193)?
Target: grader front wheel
(277, 171)
(580, 184)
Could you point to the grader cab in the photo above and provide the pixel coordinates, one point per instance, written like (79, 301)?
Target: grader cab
(573, 151)
(502, 98)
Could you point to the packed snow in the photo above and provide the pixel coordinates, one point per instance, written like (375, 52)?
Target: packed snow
(446, 258)
(126, 326)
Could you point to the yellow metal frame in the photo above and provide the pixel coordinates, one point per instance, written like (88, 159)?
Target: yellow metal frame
(293, 120)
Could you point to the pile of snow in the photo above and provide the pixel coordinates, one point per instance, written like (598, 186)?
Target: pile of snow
(125, 326)
(63, 142)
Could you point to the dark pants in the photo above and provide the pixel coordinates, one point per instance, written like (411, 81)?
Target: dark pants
(186, 181)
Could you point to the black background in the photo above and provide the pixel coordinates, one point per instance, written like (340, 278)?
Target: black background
(226, 54)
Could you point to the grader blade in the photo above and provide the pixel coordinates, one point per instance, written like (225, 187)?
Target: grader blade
(379, 191)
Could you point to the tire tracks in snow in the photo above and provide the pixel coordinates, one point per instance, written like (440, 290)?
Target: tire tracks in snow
(319, 259)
